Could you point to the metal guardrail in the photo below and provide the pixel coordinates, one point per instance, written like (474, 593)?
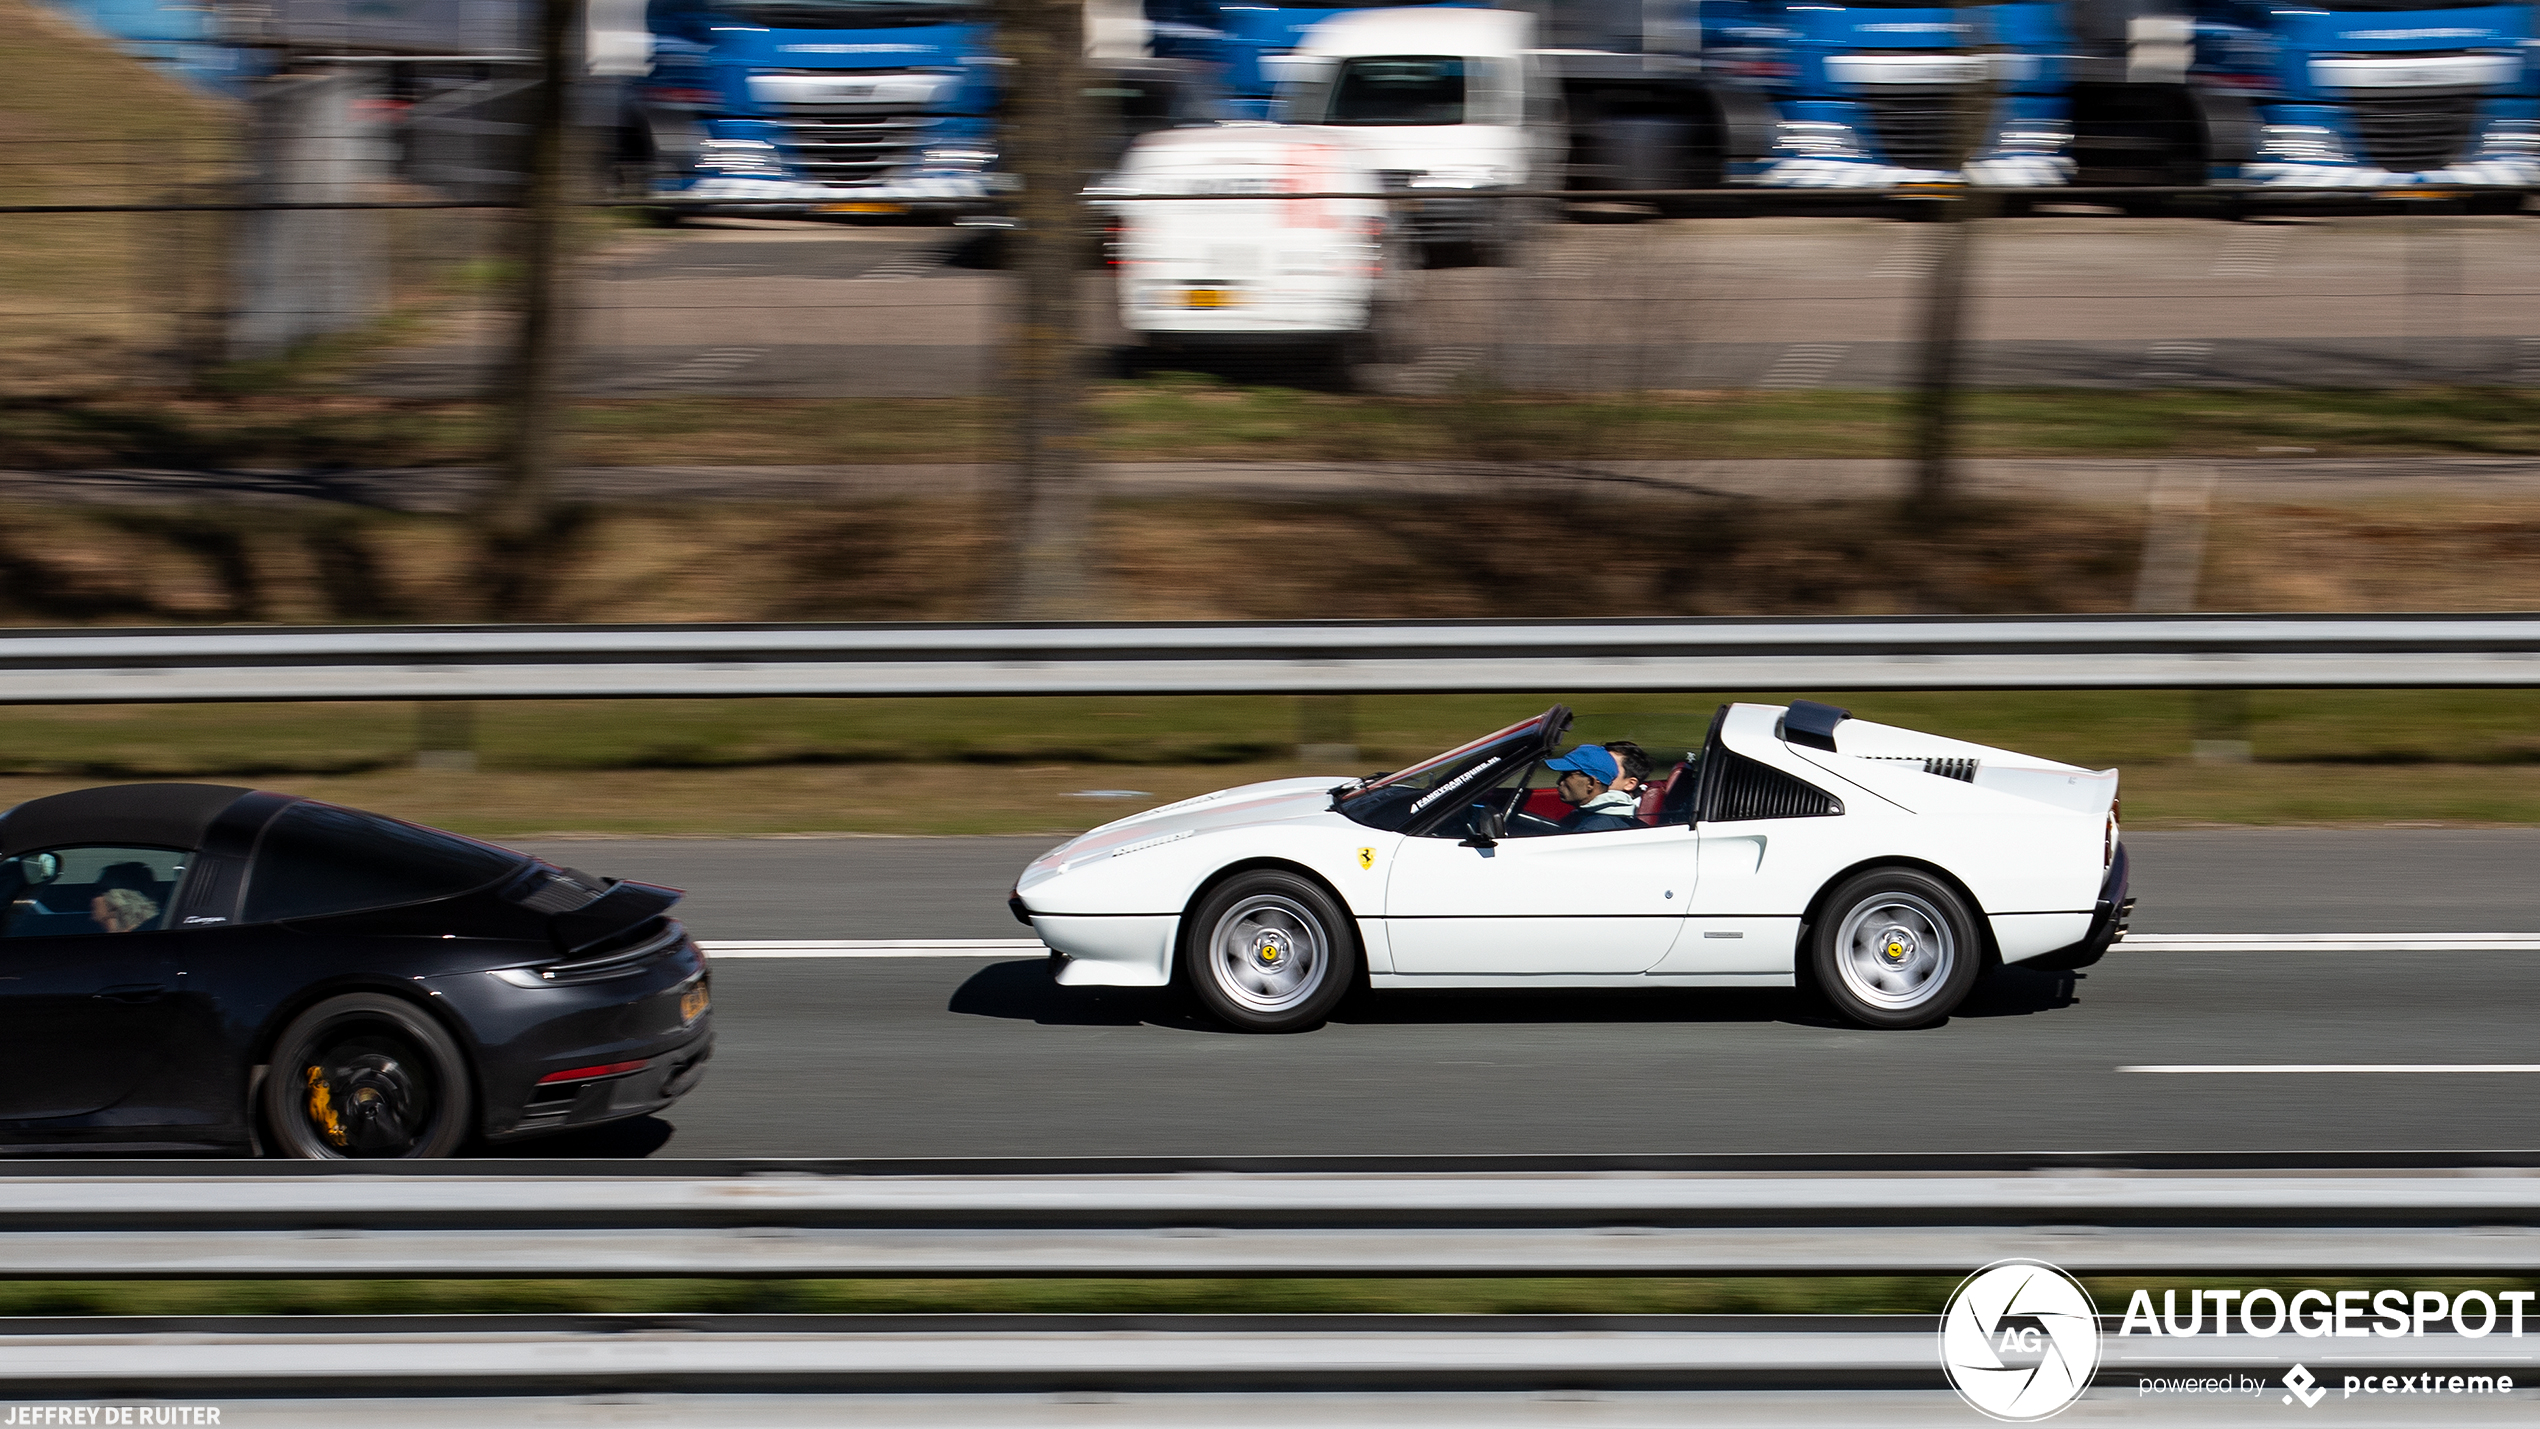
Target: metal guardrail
(985, 1354)
(1902, 652)
(2468, 1222)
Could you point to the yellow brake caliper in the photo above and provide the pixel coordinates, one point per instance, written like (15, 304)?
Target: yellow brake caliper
(322, 1107)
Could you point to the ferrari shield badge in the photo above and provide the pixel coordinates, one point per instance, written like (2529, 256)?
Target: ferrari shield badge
(1366, 858)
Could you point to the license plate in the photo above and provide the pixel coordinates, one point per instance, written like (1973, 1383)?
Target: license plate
(863, 208)
(692, 1004)
(1209, 298)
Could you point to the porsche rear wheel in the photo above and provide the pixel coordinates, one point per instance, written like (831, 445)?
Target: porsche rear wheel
(1895, 948)
(1270, 952)
(366, 1076)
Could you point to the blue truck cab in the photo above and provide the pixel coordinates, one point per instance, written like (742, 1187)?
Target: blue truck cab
(1866, 95)
(860, 105)
(2373, 94)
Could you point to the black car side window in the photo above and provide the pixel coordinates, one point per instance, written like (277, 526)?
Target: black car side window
(90, 889)
(315, 859)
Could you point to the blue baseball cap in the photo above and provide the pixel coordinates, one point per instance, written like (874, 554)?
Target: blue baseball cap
(1590, 760)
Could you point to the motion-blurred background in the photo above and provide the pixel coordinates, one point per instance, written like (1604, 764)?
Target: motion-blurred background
(856, 310)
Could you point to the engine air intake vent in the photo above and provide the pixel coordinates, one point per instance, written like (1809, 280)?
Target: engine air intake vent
(1961, 769)
(1749, 790)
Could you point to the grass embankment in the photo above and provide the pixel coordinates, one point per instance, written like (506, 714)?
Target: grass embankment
(1369, 557)
(86, 298)
(882, 766)
(295, 417)
(1827, 1295)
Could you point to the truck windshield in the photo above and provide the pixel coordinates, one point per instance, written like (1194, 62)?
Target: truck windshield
(849, 14)
(2338, 6)
(1398, 89)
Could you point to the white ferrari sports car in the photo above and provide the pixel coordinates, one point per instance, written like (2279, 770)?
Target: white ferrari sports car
(1886, 868)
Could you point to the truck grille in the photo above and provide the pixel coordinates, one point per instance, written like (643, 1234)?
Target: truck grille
(1916, 131)
(2407, 132)
(851, 144)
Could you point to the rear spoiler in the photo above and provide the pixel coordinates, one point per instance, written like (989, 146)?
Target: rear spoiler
(626, 905)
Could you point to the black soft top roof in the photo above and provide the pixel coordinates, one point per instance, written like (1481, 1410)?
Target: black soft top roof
(145, 815)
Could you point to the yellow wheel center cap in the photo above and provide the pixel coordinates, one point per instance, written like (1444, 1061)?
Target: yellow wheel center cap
(1269, 950)
(1896, 949)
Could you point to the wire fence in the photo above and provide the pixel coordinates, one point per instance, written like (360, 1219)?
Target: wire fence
(331, 305)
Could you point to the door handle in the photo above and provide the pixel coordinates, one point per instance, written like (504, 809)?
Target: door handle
(133, 992)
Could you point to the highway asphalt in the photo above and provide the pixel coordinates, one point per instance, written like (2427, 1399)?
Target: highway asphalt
(986, 1057)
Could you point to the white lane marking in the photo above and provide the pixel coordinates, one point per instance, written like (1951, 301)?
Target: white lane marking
(1910, 256)
(2249, 253)
(1805, 364)
(878, 948)
(2177, 361)
(2372, 1068)
(2333, 942)
(915, 264)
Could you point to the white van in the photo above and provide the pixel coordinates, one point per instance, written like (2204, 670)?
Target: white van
(1240, 268)
(1439, 102)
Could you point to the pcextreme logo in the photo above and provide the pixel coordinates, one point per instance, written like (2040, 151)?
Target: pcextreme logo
(2020, 1340)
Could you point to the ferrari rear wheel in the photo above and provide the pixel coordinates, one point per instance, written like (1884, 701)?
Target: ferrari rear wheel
(366, 1076)
(1895, 948)
(1270, 952)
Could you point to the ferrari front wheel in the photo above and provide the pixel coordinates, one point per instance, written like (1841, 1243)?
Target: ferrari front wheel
(1270, 952)
(1895, 948)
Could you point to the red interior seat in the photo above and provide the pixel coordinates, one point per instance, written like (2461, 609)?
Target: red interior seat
(1654, 796)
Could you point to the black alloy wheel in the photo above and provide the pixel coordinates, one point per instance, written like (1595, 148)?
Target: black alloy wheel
(362, 1077)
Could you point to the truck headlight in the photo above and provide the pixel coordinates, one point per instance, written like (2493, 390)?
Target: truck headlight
(1816, 139)
(2302, 144)
(967, 157)
(754, 157)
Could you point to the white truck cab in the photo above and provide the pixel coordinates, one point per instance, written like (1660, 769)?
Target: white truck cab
(1439, 102)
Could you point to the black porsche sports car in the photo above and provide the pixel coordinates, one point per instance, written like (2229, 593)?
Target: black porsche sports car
(192, 967)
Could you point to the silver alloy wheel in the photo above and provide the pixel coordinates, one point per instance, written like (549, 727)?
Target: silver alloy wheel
(1895, 950)
(1268, 953)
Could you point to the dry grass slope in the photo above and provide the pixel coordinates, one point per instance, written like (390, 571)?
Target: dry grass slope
(89, 298)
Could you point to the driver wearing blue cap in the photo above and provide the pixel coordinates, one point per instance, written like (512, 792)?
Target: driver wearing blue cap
(1587, 786)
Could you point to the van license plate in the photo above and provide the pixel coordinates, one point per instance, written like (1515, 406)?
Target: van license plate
(1209, 298)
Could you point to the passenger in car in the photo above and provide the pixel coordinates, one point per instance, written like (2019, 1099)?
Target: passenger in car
(1634, 780)
(123, 901)
(1633, 761)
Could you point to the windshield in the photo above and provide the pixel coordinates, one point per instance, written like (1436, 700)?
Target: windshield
(1398, 89)
(849, 14)
(1393, 801)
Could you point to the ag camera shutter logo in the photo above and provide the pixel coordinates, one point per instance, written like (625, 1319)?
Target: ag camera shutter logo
(2020, 1340)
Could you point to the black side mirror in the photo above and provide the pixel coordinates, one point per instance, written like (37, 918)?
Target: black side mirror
(1487, 827)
